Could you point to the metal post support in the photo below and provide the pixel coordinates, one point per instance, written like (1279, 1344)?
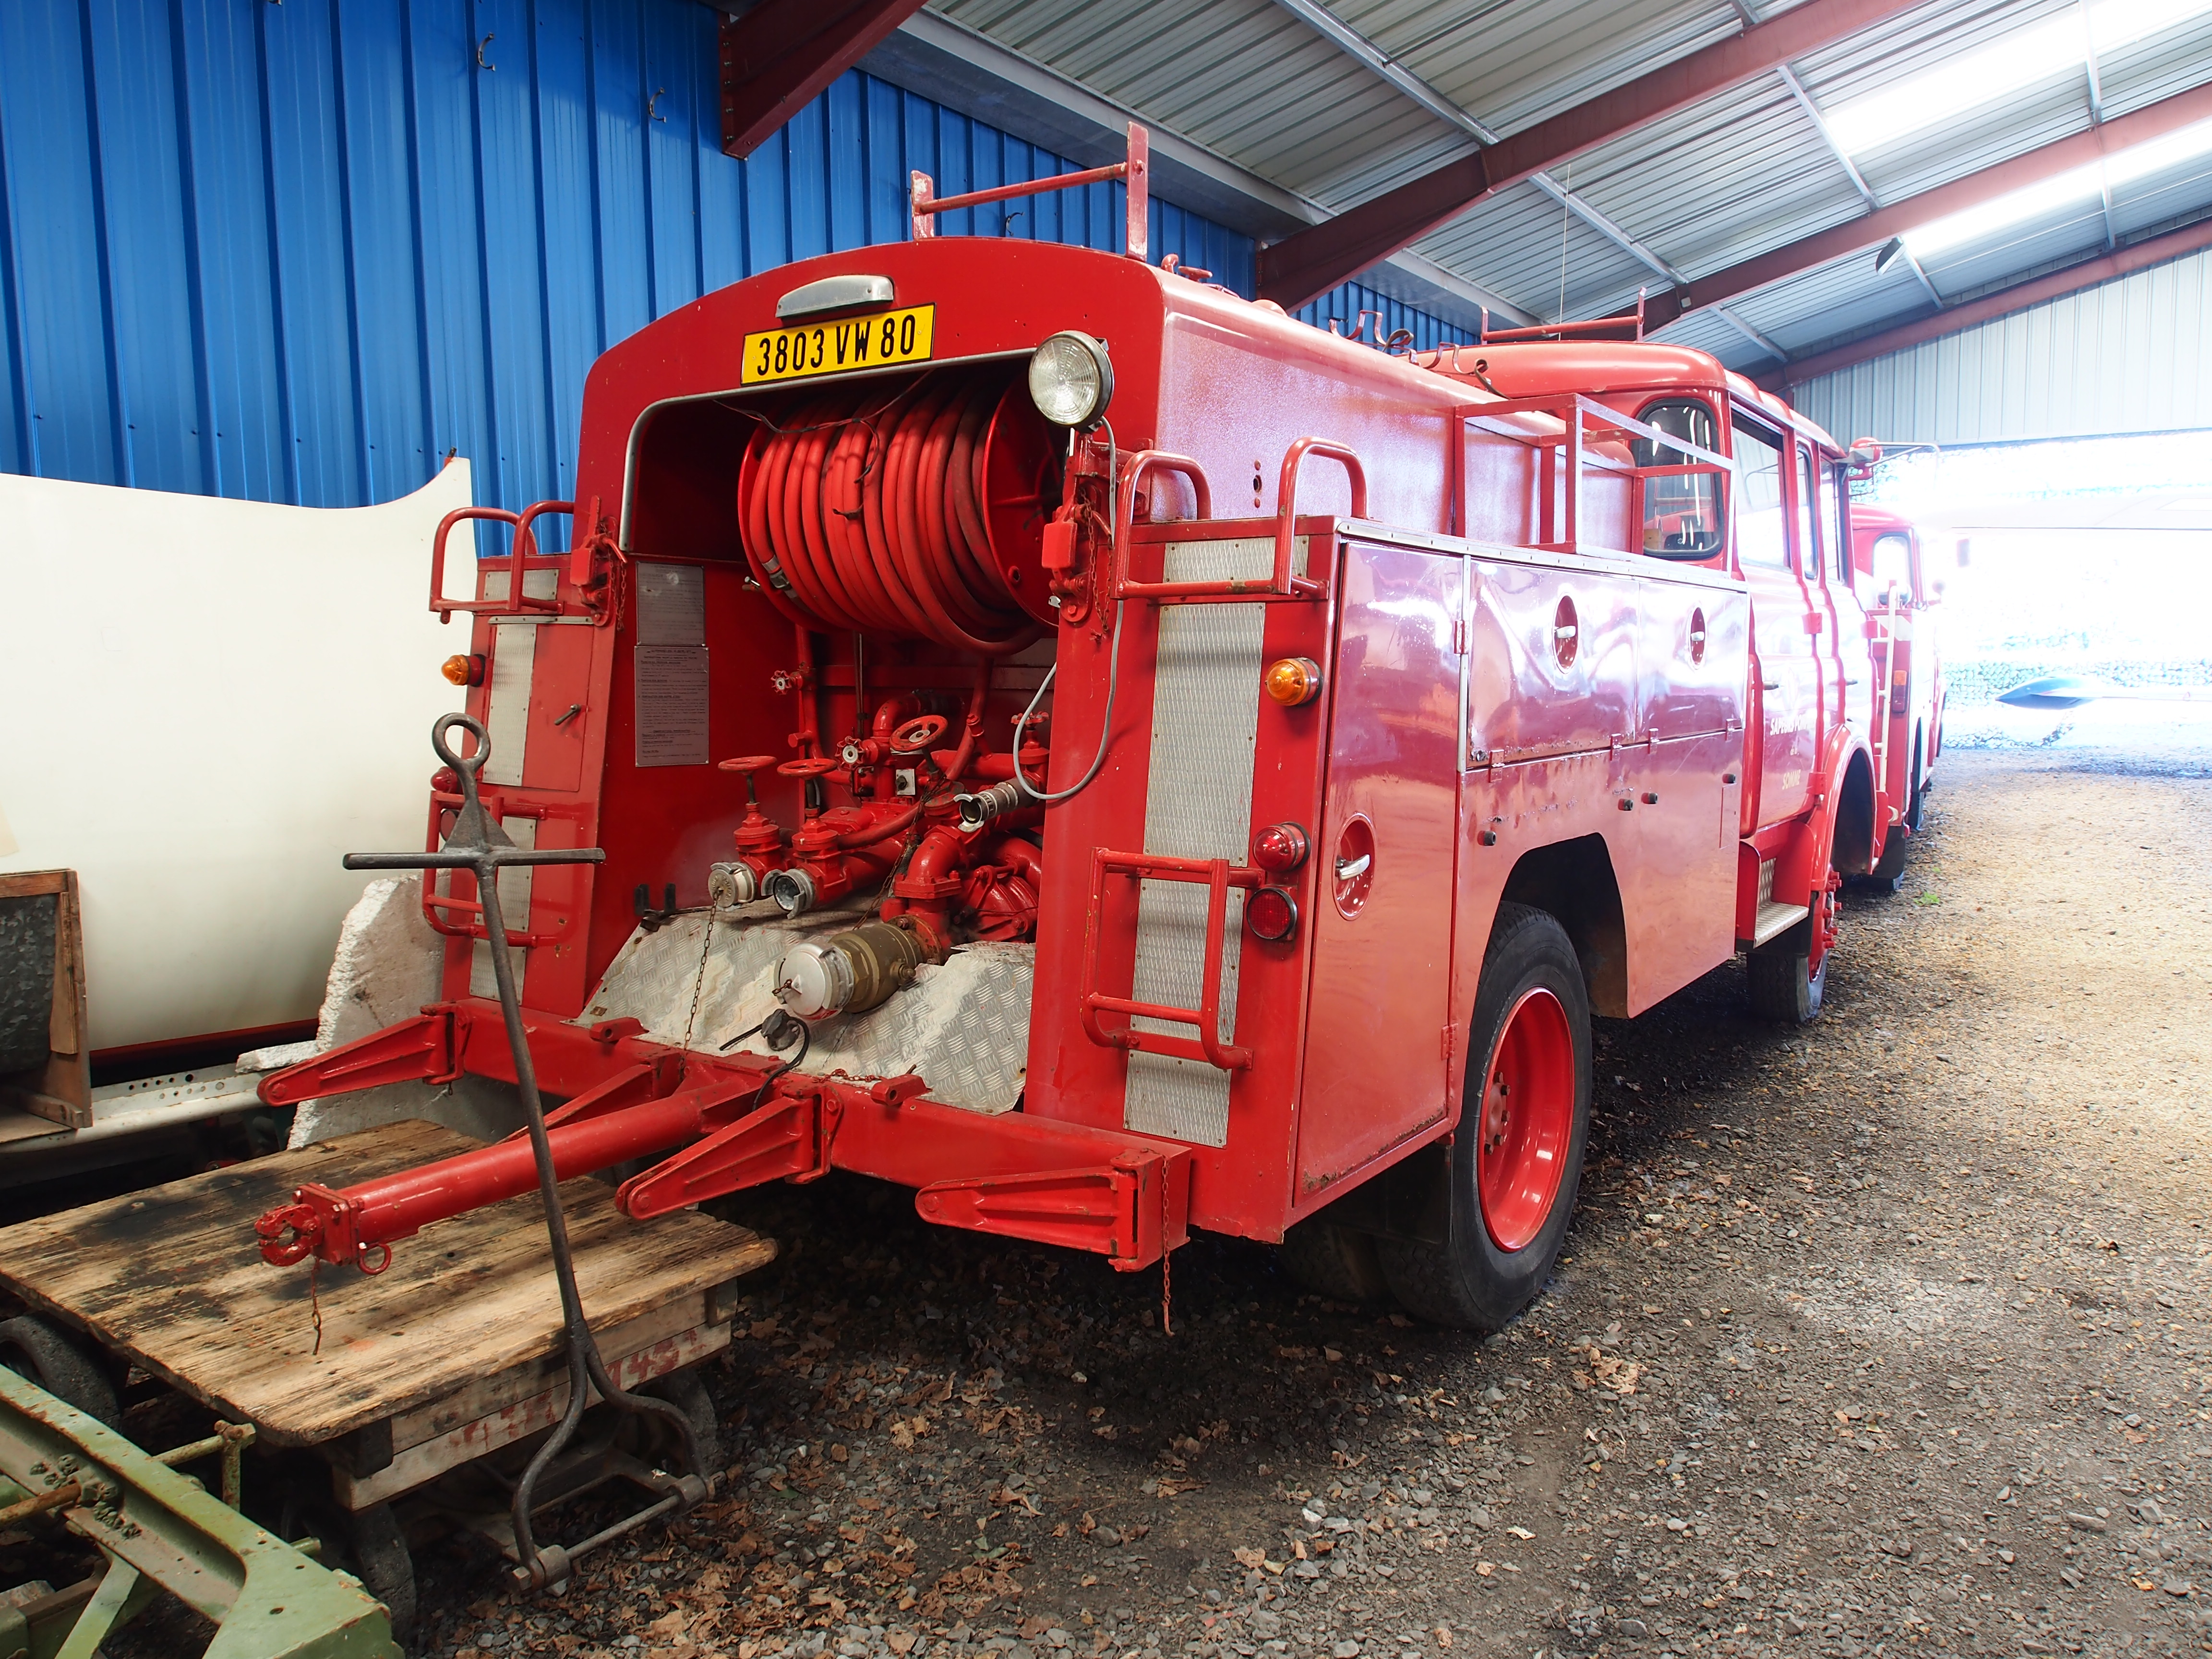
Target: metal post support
(480, 845)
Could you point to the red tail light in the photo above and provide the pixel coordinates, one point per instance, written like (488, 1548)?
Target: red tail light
(1272, 914)
(1280, 849)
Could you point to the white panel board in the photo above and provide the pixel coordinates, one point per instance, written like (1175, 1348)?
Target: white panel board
(203, 704)
(2125, 356)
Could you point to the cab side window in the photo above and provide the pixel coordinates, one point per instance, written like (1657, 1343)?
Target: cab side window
(1808, 547)
(1840, 487)
(1762, 534)
(1681, 510)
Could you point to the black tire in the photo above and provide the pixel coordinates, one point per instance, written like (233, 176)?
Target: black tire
(63, 1367)
(1888, 872)
(1336, 1261)
(377, 1548)
(1783, 986)
(683, 1390)
(1469, 1281)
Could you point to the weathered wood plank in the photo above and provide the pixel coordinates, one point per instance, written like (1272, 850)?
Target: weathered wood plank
(171, 1278)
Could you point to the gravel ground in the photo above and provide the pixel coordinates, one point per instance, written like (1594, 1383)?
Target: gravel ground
(1886, 1335)
(1880, 1337)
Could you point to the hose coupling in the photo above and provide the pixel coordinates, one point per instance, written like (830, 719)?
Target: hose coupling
(849, 973)
(979, 809)
(731, 884)
(792, 890)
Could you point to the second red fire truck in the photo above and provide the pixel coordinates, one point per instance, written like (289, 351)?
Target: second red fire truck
(1115, 759)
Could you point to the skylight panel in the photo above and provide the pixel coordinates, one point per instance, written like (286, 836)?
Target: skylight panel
(2004, 66)
(2080, 185)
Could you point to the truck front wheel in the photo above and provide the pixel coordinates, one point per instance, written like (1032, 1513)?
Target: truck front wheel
(1786, 985)
(1515, 1161)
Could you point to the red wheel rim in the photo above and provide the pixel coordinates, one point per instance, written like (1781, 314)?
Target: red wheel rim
(1527, 1120)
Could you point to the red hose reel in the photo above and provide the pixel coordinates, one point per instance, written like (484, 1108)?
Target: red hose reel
(911, 508)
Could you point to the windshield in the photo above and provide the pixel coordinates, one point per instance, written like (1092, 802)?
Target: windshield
(1681, 510)
(1892, 562)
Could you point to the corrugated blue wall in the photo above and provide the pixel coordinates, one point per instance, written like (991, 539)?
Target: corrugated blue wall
(1342, 306)
(300, 251)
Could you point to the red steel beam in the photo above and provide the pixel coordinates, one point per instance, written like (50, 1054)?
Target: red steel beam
(1308, 264)
(782, 54)
(1872, 229)
(2070, 279)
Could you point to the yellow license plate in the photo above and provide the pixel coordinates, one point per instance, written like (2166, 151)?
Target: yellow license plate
(838, 348)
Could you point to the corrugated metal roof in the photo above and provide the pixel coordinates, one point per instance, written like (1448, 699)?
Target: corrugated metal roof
(1511, 63)
(1242, 77)
(1703, 190)
(1518, 234)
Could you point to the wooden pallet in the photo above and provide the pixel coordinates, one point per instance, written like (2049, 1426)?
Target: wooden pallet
(449, 1354)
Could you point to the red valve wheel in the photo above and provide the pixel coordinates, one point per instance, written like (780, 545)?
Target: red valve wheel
(917, 734)
(813, 766)
(749, 764)
(1527, 1119)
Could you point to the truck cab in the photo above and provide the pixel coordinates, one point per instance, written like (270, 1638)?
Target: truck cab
(1817, 795)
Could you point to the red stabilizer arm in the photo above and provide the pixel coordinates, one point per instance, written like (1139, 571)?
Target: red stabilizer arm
(421, 1049)
(1132, 1211)
(356, 1224)
(739, 1124)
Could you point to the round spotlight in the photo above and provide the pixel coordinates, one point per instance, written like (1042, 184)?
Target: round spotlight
(1293, 681)
(1280, 849)
(1272, 914)
(1072, 379)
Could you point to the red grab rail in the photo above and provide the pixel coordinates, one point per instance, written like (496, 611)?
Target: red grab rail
(1135, 172)
(521, 556)
(1219, 876)
(1281, 583)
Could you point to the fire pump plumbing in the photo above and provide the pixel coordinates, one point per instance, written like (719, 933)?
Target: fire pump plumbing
(882, 517)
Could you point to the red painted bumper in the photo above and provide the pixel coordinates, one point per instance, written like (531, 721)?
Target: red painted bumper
(1126, 1197)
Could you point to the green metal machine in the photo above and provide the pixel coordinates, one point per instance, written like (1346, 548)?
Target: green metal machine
(159, 1530)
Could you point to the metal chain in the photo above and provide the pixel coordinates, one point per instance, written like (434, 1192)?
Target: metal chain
(1167, 1303)
(698, 984)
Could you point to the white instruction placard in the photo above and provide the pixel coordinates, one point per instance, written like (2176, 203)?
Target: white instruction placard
(671, 705)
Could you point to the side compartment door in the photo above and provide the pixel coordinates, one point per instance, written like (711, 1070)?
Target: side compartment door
(1788, 665)
(1375, 1055)
(1690, 680)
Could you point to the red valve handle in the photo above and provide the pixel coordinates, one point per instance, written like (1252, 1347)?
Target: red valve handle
(812, 766)
(917, 734)
(749, 764)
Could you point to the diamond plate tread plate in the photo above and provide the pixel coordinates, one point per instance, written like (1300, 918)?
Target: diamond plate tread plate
(964, 1027)
(1198, 804)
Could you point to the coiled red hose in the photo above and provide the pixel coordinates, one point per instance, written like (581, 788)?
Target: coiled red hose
(864, 511)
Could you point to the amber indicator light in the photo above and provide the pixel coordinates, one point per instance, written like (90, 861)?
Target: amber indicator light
(463, 670)
(1291, 681)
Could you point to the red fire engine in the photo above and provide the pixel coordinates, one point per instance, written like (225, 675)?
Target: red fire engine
(1115, 759)
(1890, 570)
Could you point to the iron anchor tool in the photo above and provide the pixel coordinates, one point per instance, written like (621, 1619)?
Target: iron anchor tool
(480, 845)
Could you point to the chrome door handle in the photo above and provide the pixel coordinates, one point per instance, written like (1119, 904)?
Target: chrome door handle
(1352, 869)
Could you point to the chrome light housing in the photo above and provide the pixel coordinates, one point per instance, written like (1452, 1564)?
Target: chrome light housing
(1072, 379)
